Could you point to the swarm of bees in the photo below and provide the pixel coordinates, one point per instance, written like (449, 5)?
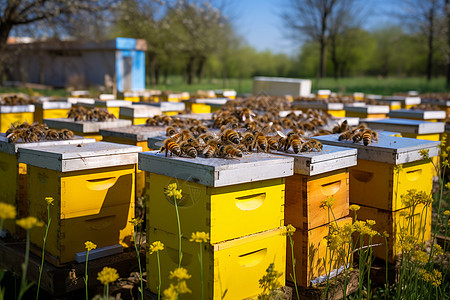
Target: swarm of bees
(80, 113)
(35, 132)
(16, 100)
(359, 133)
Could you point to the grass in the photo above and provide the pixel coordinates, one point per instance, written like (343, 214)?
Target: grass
(369, 85)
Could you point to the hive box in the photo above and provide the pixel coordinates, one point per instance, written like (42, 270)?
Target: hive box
(249, 191)
(278, 86)
(317, 176)
(14, 114)
(368, 111)
(51, 110)
(334, 109)
(213, 104)
(93, 188)
(409, 128)
(86, 128)
(139, 114)
(407, 102)
(387, 169)
(169, 108)
(424, 115)
(112, 106)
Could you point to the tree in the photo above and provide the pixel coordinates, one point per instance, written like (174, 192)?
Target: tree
(311, 18)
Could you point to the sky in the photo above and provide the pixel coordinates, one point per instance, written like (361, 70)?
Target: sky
(259, 22)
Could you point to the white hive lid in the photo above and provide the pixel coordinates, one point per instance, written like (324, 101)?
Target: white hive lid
(418, 114)
(406, 125)
(85, 126)
(137, 133)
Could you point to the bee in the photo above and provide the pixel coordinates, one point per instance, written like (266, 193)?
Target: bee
(251, 126)
(66, 134)
(307, 126)
(273, 143)
(246, 114)
(29, 136)
(14, 136)
(357, 136)
(286, 123)
(291, 139)
(170, 131)
(205, 138)
(341, 128)
(151, 122)
(347, 135)
(52, 134)
(198, 130)
(261, 142)
(171, 145)
(248, 141)
(322, 132)
(166, 120)
(229, 135)
(210, 149)
(184, 135)
(188, 149)
(38, 129)
(369, 135)
(316, 144)
(229, 151)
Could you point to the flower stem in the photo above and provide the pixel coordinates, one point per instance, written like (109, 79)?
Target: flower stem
(139, 264)
(86, 274)
(49, 220)
(159, 276)
(180, 253)
(291, 241)
(200, 258)
(386, 293)
(23, 282)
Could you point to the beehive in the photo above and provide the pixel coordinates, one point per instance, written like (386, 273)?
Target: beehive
(409, 128)
(138, 114)
(423, 115)
(317, 176)
(13, 186)
(131, 96)
(387, 169)
(392, 222)
(249, 191)
(334, 109)
(214, 104)
(169, 108)
(230, 94)
(367, 112)
(113, 106)
(310, 252)
(133, 135)
(358, 96)
(171, 97)
(15, 114)
(231, 270)
(93, 188)
(406, 101)
(51, 110)
(443, 104)
(89, 129)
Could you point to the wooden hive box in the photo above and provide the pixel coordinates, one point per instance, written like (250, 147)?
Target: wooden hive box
(93, 188)
(51, 110)
(249, 191)
(230, 94)
(334, 109)
(231, 269)
(136, 135)
(138, 114)
(423, 130)
(367, 112)
(422, 115)
(406, 101)
(392, 222)
(443, 104)
(14, 114)
(132, 96)
(112, 106)
(13, 186)
(310, 251)
(387, 169)
(393, 104)
(86, 128)
(212, 104)
(317, 176)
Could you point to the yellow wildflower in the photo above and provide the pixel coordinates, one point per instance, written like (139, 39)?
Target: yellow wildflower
(107, 275)
(447, 213)
(328, 202)
(354, 207)
(421, 256)
(156, 246)
(199, 237)
(435, 278)
(385, 234)
(29, 223)
(49, 200)
(180, 274)
(7, 211)
(437, 249)
(447, 185)
(172, 191)
(289, 230)
(425, 153)
(90, 245)
(370, 222)
(170, 293)
(414, 197)
(182, 287)
(136, 221)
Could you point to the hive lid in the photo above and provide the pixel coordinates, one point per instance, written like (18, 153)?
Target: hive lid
(167, 106)
(442, 103)
(329, 159)
(112, 103)
(11, 148)
(75, 100)
(76, 157)
(418, 114)
(318, 105)
(368, 109)
(137, 133)
(211, 101)
(218, 172)
(5, 109)
(389, 149)
(139, 111)
(406, 125)
(54, 105)
(85, 126)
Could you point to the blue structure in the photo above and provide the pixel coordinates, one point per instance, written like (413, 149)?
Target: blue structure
(118, 63)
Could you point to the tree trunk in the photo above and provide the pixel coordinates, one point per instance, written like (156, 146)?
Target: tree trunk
(191, 70)
(5, 29)
(152, 67)
(201, 68)
(447, 14)
(323, 57)
(430, 45)
(334, 58)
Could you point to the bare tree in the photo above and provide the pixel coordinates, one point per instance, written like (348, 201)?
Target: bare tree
(311, 19)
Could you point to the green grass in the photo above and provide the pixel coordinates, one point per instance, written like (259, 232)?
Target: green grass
(36, 92)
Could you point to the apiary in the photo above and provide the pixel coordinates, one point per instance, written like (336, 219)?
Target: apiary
(423, 115)
(89, 129)
(409, 128)
(138, 114)
(387, 169)
(13, 186)
(231, 269)
(249, 191)
(317, 176)
(15, 114)
(310, 252)
(169, 108)
(51, 110)
(136, 135)
(112, 106)
(406, 101)
(334, 109)
(93, 189)
(367, 112)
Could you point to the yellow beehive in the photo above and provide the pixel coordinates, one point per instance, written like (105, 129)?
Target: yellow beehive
(131, 96)
(231, 270)
(138, 114)
(200, 108)
(249, 191)
(15, 114)
(51, 110)
(392, 222)
(113, 106)
(367, 112)
(93, 188)
(310, 252)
